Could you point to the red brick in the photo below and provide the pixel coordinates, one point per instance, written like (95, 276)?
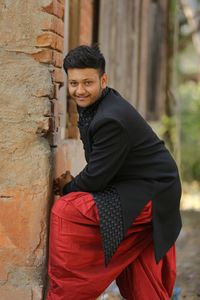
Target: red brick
(62, 2)
(56, 90)
(73, 119)
(73, 132)
(50, 39)
(71, 106)
(49, 56)
(57, 59)
(57, 75)
(52, 23)
(55, 8)
(57, 107)
(44, 56)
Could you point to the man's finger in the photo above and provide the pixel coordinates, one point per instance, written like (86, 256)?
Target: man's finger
(56, 181)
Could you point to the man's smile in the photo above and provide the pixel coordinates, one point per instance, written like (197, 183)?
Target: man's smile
(81, 97)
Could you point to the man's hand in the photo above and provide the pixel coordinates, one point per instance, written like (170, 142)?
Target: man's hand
(60, 182)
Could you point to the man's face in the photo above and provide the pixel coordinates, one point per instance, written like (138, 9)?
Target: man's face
(85, 85)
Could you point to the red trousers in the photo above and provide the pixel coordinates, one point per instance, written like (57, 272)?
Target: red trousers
(76, 261)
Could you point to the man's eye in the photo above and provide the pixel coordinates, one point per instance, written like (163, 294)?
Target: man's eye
(87, 83)
(73, 83)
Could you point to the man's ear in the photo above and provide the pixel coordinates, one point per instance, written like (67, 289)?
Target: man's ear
(104, 80)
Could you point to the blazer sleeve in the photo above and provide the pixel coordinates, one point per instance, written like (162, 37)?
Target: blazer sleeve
(109, 150)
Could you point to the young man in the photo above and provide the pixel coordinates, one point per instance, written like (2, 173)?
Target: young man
(119, 217)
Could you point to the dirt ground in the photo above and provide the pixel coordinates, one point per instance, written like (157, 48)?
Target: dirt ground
(188, 245)
(188, 256)
(188, 250)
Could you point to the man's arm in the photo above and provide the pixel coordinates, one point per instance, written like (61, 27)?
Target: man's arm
(109, 150)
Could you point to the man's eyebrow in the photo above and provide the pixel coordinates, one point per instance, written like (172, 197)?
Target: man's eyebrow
(90, 79)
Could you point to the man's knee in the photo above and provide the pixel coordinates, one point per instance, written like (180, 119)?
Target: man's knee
(60, 206)
(63, 208)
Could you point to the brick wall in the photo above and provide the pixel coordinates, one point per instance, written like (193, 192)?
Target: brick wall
(31, 46)
(51, 45)
(31, 54)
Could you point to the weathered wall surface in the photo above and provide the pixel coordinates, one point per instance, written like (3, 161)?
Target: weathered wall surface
(31, 121)
(26, 90)
(24, 175)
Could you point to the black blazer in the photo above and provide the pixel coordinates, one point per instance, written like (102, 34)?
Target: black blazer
(122, 150)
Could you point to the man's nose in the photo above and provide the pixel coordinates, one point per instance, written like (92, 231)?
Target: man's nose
(80, 89)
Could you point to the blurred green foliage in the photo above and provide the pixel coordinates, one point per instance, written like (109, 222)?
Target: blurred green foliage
(189, 94)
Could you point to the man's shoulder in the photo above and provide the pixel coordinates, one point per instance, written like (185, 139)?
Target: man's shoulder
(116, 107)
(114, 98)
(115, 113)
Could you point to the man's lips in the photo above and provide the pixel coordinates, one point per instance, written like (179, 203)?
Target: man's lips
(81, 98)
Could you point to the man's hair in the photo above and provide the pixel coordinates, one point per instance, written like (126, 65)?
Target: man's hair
(83, 57)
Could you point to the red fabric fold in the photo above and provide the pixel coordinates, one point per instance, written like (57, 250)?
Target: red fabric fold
(76, 260)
